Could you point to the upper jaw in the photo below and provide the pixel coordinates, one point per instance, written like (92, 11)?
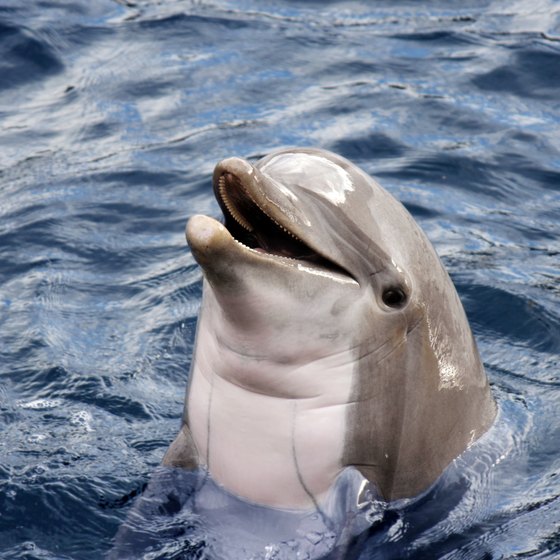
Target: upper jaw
(256, 218)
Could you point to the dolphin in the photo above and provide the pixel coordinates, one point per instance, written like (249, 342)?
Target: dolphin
(329, 337)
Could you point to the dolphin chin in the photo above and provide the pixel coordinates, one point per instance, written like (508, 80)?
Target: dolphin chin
(330, 336)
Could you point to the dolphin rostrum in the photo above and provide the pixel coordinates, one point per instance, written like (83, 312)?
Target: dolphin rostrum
(330, 336)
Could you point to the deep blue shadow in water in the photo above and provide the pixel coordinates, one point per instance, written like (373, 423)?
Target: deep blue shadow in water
(520, 320)
(532, 73)
(24, 58)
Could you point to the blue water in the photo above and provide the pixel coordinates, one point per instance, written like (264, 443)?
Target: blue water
(112, 116)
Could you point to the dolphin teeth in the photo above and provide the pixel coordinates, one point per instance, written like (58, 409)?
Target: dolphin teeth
(238, 202)
(282, 257)
(231, 207)
(239, 218)
(281, 226)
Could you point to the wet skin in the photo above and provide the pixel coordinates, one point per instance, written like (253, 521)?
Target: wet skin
(330, 336)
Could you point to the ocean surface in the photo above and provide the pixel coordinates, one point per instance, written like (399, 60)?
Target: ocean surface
(112, 117)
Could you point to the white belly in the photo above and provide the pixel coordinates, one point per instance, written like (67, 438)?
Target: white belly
(283, 450)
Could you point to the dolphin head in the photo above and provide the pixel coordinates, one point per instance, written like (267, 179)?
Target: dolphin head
(317, 264)
(299, 247)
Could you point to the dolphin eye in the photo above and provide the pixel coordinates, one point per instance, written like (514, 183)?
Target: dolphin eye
(394, 297)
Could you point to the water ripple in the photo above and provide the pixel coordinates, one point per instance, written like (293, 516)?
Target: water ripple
(113, 114)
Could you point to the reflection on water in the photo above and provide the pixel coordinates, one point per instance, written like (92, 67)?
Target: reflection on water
(113, 115)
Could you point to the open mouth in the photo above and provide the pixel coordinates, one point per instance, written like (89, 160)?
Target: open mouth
(250, 225)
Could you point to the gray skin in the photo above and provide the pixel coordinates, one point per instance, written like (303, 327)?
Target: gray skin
(416, 394)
